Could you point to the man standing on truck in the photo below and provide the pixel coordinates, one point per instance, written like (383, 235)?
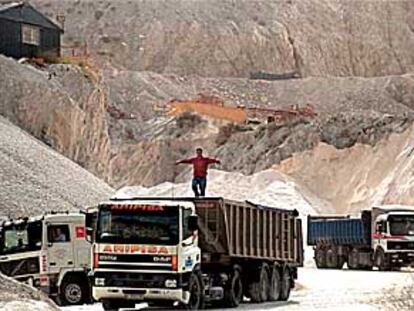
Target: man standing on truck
(200, 167)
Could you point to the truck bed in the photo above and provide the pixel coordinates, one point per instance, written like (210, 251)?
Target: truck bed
(247, 230)
(337, 230)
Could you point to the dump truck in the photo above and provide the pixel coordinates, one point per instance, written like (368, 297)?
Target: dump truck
(381, 237)
(49, 252)
(192, 252)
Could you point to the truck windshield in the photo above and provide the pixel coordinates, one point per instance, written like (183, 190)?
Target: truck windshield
(21, 238)
(138, 224)
(401, 224)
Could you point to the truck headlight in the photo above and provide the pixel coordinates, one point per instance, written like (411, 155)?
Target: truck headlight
(170, 283)
(99, 281)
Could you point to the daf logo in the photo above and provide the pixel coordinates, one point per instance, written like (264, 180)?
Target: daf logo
(162, 259)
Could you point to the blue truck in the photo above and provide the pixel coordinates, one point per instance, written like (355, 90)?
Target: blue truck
(381, 237)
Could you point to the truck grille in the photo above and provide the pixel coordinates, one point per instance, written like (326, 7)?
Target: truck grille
(135, 262)
(400, 245)
(136, 280)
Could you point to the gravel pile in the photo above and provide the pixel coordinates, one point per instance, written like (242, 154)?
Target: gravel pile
(15, 296)
(34, 178)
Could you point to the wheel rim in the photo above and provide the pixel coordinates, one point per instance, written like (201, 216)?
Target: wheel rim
(275, 284)
(331, 259)
(73, 293)
(320, 258)
(194, 294)
(264, 285)
(354, 259)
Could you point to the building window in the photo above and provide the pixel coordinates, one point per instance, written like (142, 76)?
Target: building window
(30, 35)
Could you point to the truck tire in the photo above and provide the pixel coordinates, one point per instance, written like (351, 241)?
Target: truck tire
(115, 305)
(382, 261)
(331, 259)
(259, 289)
(353, 259)
(196, 288)
(74, 290)
(233, 291)
(286, 284)
(320, 259)
(275, 284)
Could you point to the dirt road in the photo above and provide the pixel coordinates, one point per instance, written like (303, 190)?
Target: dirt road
(336, 290)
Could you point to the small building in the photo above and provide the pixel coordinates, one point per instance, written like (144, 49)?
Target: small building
(25, 32)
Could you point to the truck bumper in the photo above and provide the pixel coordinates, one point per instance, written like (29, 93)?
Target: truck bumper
(140, 294)
(402, 258)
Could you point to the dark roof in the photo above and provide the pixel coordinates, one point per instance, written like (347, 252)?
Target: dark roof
(23, 12)
(10, 5)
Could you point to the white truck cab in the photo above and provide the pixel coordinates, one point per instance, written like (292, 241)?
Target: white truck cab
(49, 252)
(142, 251)
(393, 236)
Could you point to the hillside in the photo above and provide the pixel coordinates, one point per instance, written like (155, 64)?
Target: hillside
(358, 177)
(111, 114)
(90, 121)
(227, 38)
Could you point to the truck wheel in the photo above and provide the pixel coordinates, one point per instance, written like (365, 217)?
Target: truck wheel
(381, 261)
(233, 292)
(115, 305)
(285, 285)
(320, 259)
(275, 284)
(259, 289)
(331, 259)
(353, 259)
(196, 288)
(73, 291)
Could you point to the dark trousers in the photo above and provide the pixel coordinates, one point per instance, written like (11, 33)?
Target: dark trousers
(199, 185)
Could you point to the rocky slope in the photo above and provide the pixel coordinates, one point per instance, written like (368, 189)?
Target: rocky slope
(234, 38)
(35, 179)
(358, 177)
(57, 112)
(113, 127)
(350, 110)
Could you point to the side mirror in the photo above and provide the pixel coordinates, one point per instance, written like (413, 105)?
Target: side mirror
(193, 222)
(89, 234)
(380, 227)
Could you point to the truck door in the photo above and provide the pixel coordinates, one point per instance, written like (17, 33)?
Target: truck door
(60, 248)
(190, 253)
(81, 247)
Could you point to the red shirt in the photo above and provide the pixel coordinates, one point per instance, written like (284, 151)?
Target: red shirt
(200, 165)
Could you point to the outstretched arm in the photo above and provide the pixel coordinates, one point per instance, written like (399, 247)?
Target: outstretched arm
(185, 161)
(213, 161)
